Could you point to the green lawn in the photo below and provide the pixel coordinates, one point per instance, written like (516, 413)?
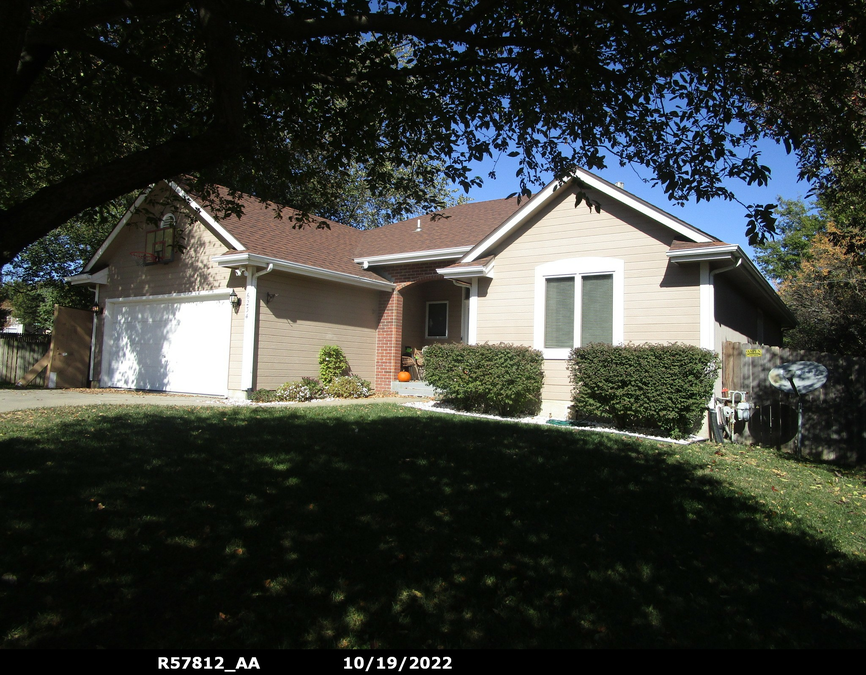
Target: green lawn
(381, 526)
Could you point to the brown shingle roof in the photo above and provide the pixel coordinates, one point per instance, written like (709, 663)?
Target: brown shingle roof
(263, 233)
(463, 225)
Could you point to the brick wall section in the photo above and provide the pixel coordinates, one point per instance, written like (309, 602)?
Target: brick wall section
(390, 332)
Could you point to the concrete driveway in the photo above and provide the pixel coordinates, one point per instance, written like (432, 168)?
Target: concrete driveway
(23, 399)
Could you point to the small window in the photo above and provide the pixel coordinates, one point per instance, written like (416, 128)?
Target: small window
(437, 319)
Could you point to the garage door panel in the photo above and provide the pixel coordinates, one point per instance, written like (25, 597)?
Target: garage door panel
(170, 346)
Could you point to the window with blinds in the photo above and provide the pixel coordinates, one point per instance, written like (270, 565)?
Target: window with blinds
(596, 310)
(559, 313)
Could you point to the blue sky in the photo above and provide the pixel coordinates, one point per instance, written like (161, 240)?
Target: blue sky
(722, 219)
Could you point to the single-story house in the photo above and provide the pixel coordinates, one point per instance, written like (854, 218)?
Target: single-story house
(189, 302)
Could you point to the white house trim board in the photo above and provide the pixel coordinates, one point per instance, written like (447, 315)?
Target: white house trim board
(468, 271)
(244, 259)
(249, 346)
(552, 190)
(117, 229)
(176, 297)
(413, 256)
(578, 267)
(707, 309)
(97, 278)
(217, 229)
(472, 337)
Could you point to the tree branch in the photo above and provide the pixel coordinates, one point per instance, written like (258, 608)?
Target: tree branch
(295, 28)
(14, 17)
(56, 37)
(53, 205)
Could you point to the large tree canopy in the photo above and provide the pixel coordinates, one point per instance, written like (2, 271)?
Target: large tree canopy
(102, 97)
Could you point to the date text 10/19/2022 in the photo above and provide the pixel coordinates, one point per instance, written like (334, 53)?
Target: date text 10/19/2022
(399, 664)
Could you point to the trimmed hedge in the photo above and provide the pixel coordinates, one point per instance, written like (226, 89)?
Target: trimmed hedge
(646, 387)
(497, 379)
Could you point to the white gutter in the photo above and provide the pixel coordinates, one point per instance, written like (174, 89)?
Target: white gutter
(244, 259)
(251, 307)
(722, 252)
(730, 252)
(453, 253)
(100, 277)
(468, 271)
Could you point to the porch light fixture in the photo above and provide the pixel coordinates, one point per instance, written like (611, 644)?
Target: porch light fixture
(235, 301)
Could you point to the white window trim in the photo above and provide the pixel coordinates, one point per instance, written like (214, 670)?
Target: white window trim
(578, 267)
(427, 320)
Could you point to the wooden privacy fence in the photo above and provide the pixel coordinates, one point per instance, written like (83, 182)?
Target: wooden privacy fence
(18, 353)
(834, 416)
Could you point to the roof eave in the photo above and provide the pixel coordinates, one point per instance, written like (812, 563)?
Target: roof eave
(242, 259)
(215, 226)
(117, 229)
(84, 278)
(733, 253)
(468, 272)
(543, 198)
(723, 252)
(429, 255)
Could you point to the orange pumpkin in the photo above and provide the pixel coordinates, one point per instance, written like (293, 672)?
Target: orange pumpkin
(403, 376)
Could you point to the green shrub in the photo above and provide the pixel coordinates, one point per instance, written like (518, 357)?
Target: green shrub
(317, 390)
(294, 391)
(348, 386)
(496, 379)
(264, 396)
(646, 387)
(332, 363)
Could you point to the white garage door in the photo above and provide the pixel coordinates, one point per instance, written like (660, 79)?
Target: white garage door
(177, 345)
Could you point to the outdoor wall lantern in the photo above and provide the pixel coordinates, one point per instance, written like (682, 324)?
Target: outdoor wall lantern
(235, 300)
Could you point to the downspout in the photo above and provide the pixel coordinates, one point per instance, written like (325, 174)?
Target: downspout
(93, 335)
(711, 326)
(250, 310)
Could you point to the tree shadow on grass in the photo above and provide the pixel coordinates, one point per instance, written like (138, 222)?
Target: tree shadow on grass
(379, 526)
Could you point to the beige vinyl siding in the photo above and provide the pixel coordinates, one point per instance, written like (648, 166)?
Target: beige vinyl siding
(661, 300)
(305, 315)
(189, 272)
(738, 319)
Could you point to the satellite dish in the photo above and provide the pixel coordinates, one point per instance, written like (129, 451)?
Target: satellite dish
(798, 378)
